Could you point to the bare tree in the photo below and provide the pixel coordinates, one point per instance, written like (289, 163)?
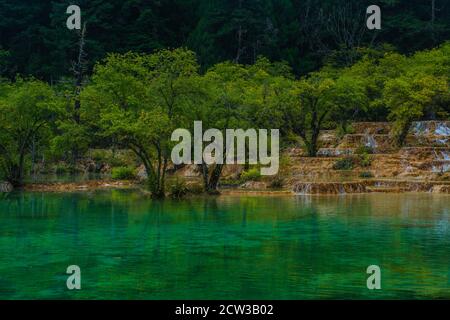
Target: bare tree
(346, 24)
(79, 69)
(240, 39)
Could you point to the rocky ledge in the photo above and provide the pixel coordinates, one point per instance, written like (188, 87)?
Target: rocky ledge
(74, 186)
(366, 186)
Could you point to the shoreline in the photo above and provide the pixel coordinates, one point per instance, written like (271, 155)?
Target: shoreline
(296, 188)
(90, 185)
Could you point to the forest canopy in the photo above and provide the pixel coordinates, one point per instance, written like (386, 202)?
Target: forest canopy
(306, 34)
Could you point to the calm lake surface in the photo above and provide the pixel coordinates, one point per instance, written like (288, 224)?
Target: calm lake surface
(249, 247)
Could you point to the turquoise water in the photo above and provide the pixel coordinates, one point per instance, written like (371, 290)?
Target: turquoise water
(251, 247)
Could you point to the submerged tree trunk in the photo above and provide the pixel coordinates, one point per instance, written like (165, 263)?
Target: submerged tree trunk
(213, 185)
(211, 181)
(16, 175)
(155, 177)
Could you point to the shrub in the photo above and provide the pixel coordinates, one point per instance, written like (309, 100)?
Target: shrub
(123, 173)
(99, 155)
(64, 168)
(364, 150)
(365, 160)
(366, 175)
(346, 163)
(61, 168)
(251, 175)
(178, 189)
(277, 183)
(342, 130)
(195, 188)
(119, 158)
(230, 182)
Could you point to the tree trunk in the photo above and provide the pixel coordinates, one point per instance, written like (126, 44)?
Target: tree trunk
(213, 183)
(16, 172)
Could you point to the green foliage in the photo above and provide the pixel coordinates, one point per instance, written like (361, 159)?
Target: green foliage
(346, 163)
(123, 173)
(62, 168)
(134, 101)
(277, 183)
(409, 95)
(4, 62)
(195, 188)
(138, 100)
(361, 150)
(342, 130)
(349, 99)
(365, 160)
(303, 33)
(26, 109)
(366, 175)
(251, 175)
(178, 189)
(115, 158)
(303, 106)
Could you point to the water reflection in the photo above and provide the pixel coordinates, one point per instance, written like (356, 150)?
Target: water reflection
(252, 247)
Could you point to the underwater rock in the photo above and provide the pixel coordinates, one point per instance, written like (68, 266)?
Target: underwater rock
(256, 185)
(309, 188)
(305, 188)
(6, 186)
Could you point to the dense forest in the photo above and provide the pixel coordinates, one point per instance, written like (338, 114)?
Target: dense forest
(140, 69)
(305, 33)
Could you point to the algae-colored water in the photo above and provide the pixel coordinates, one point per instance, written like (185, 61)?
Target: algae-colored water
(254, 247)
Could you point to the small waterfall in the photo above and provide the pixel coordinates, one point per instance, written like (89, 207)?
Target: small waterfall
(442, 129)
(443, 162)
(419, 128)
(405, 163)
(335, 188)
(308, 188)
(370, 141)
(303, 188)
(445, 155)
(441, 141)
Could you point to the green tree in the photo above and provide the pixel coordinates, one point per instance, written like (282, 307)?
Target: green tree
(27, 107)
(4, 62)
(349, 100)
(223, 107)
(314, 105)
(138, 100)
(408, 97)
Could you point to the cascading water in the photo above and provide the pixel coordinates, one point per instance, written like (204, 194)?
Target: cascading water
(442, 129)
(370, 141)
(308, 188)
(303, 189)
(443, 162)
(441, 141)
(419, 128)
